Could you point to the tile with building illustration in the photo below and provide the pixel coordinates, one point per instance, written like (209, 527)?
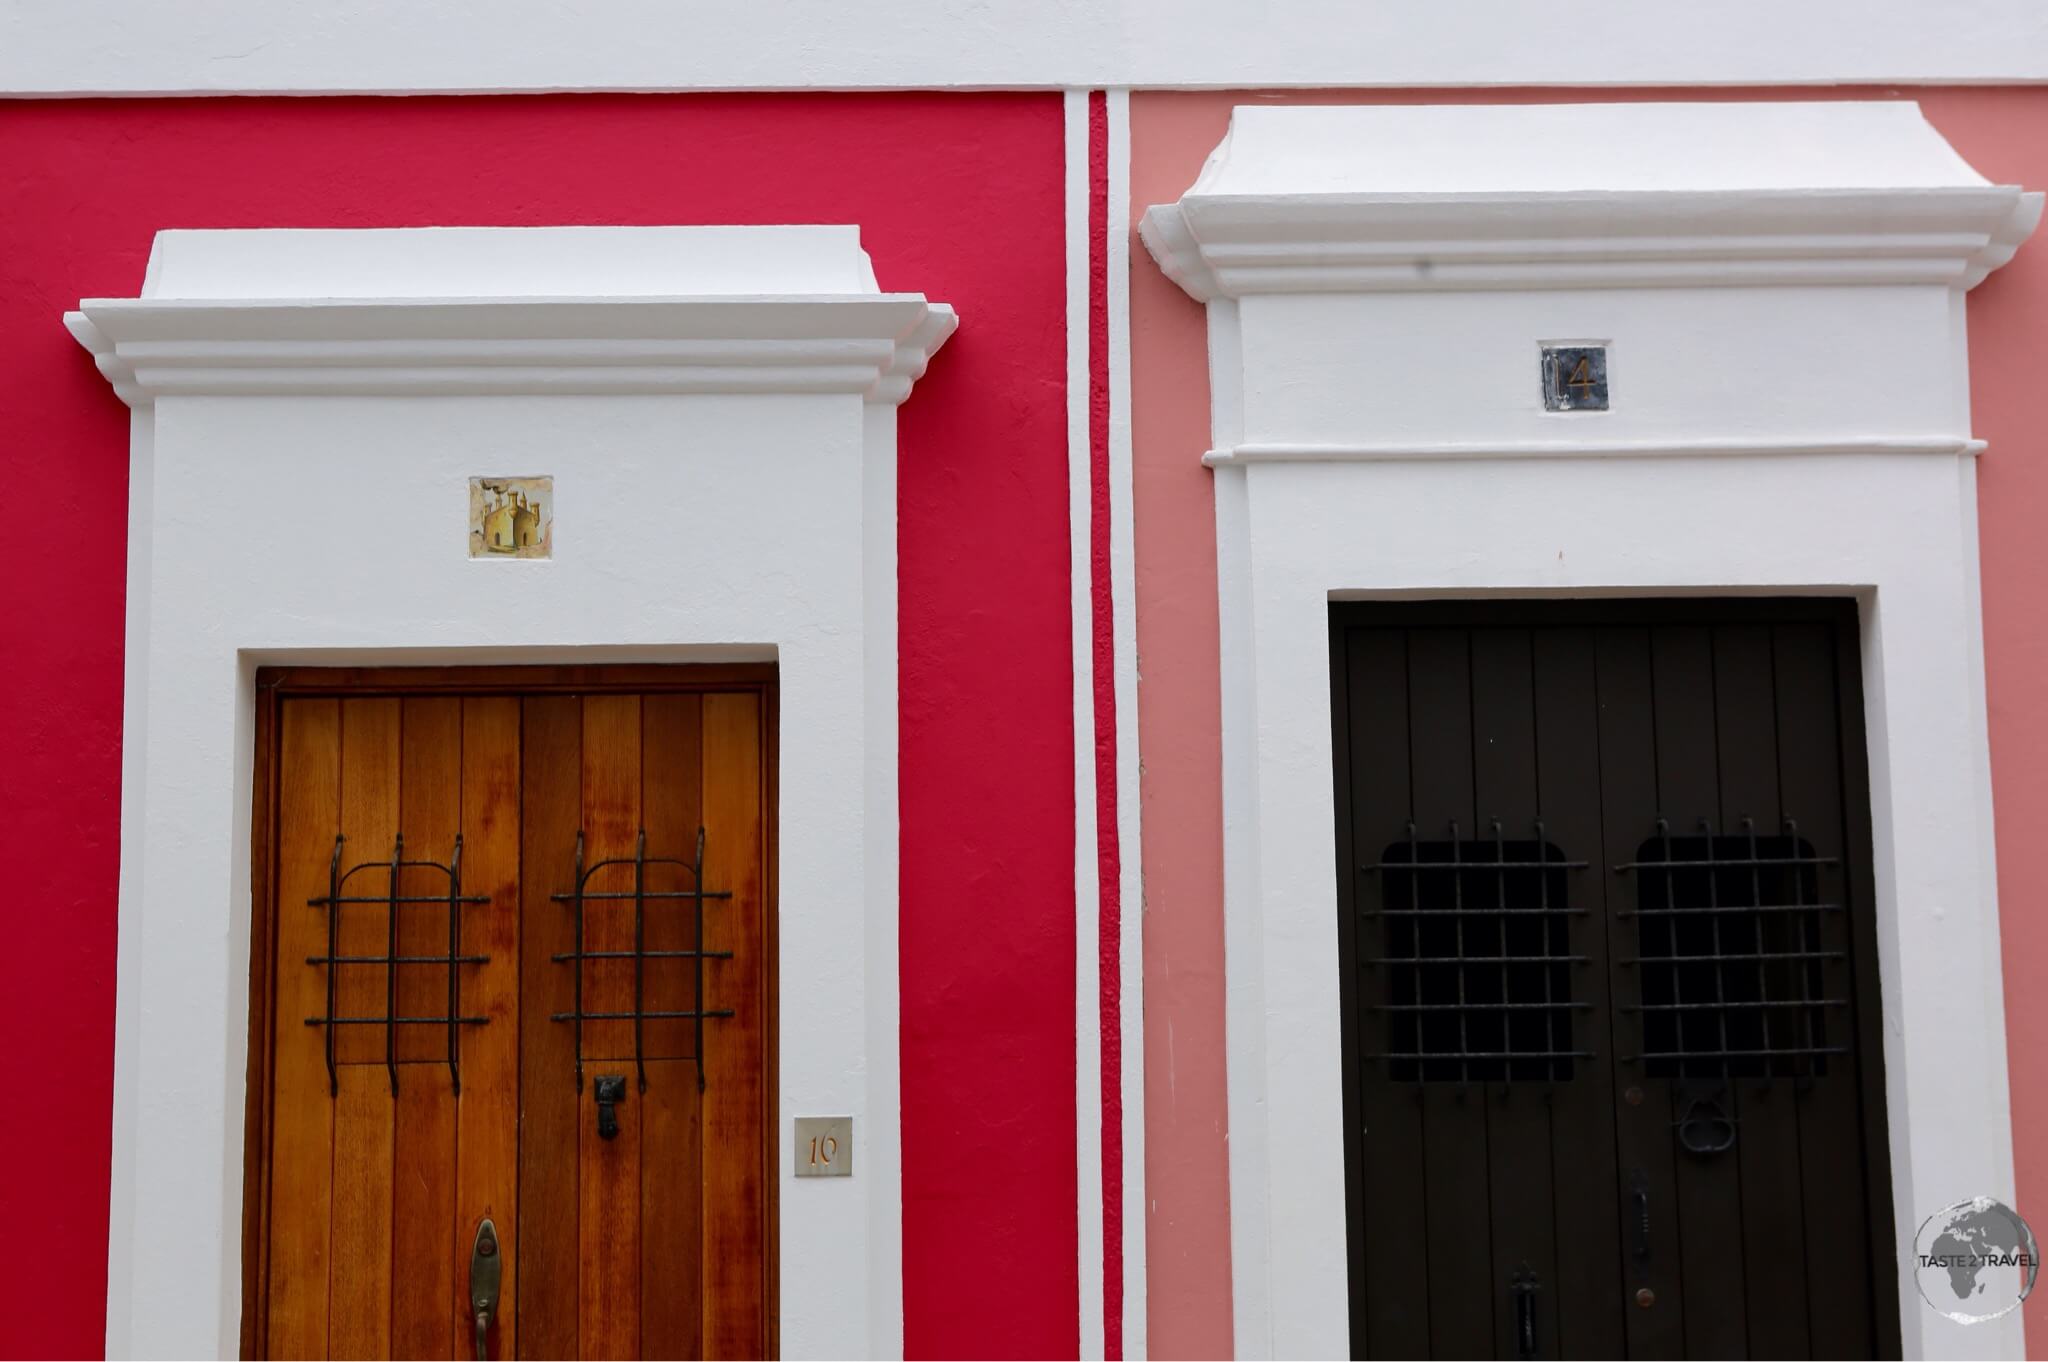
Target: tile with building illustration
(511, 517)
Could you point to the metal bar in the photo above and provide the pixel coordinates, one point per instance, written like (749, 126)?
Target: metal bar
(697, 917)
(1734, 956)
(1720, 987)
(402, 960)
(1424, 1055)
(639, 953)
(1809, 938)
(1756, 898)
(628, 955)
(1470, 912)
(1500, 899)
(1766, 1005)
(1670, 938)
(628, 1016)
(1485, 1007)
(1485, 960)
(1447, 865)
(650, 894)
(1458, 924)
(454, 951)
(333, 948)
(579, 962)
(395, 1021)
(1550, 1019)
(1732, 908)
(1695, 865)
(1801, 1052)
(391, 973)
(403, 900)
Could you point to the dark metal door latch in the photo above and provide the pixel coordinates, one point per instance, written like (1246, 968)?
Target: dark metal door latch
(1523, 1286)
(610, 1090)
(486, 1270)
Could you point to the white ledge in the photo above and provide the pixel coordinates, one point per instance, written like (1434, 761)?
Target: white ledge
(1407, 198)
(1947, 445)
(876, 346)
(463, 310)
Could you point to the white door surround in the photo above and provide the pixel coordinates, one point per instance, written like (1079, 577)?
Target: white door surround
(717, 409)
(1780, 291)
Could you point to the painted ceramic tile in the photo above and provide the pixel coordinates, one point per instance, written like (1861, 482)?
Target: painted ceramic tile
(511, 517)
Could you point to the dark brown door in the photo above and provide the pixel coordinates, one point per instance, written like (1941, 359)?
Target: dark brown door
(1613, 1084)
(433, 1041)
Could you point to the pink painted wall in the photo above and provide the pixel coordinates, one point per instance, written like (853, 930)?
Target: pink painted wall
(2004, 133)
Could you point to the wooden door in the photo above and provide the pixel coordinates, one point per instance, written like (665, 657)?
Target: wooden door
(382, 1133)
(1612, 1062)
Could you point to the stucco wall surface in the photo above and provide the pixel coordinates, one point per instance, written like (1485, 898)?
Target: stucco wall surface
(958, 197)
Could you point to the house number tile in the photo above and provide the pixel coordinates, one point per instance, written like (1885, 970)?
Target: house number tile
(824, 1146)
(1575, 378)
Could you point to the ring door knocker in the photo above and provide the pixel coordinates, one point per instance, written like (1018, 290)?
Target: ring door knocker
(1706, 1123)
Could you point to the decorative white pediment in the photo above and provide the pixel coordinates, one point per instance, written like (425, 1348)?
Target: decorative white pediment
(1424, 197)
(426, 311)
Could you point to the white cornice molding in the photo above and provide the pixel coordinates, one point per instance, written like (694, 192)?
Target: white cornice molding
(876, 346)
(1419, 198)
(467, 310)
(1949, 446)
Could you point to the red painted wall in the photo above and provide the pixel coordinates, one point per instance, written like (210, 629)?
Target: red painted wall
(959, 197)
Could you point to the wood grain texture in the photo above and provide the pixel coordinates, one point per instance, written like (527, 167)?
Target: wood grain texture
(551, 792)
(735, 1098)
(1709, 1189)
(609, 1177)
(487, 1111)
(671, 1168)
(364, 1113)
(302, 1132)
(257, 1128)
(423, 1211)
(1454, 1127)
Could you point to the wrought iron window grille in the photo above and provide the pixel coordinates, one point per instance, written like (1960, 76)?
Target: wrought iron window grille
(391, 900)
(1477, 959)
(582, 897)
(1732, 959)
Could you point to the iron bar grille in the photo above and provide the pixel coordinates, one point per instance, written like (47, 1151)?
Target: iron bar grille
(1733, 958)
(1477, 969)
(391, 900)
(582, 900)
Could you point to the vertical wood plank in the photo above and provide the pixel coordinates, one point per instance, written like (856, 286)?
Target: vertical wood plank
(736, 1098)
(363, 1114)
(302, 1130)
(423, 1210)
(1709, 1186)
(257, 1129)
(1642, 1119)
(551, 791)
(487, 1111)
(1454, 1169)
(1833, 1169)
(671, 1166)
(1518, 1111)
(1767, 1139)
(1590, 1287)
(1389, 1280)
(609, 1180)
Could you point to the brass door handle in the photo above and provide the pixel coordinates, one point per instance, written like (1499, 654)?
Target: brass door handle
(486, 1269)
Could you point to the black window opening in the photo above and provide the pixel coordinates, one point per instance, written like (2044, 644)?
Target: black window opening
(1477, 962)
(1735, 965)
